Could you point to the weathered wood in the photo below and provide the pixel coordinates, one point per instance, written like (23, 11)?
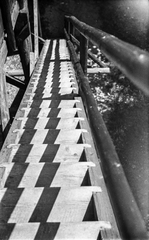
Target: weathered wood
(2, 176)
(39, 22)
(90, 54)
(71, 231)
(32, 62)
(7, 19)
(1, 29)
(24, 51)
(77, 202)
(5, 118)
(25, 32)
(15, 72)
(98, 70)
(15, 13)
(83, 53)
(103, 206)
(49, 123)
(65, 175)
(15, 82)
(23, 37)
(36, 42)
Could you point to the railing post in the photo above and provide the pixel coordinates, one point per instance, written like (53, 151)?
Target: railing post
(66, 24)
(83, 53)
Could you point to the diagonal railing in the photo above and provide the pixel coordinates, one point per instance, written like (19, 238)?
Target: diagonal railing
(133, 62)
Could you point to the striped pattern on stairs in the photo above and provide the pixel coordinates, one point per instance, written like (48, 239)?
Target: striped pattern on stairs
(48, 183)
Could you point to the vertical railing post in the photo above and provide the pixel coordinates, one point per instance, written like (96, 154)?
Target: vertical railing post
(83, 53)
(66, 24)
(36, 43)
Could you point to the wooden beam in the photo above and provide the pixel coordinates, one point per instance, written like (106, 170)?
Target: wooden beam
(36, 43)
(15, 82)
(39, 23)
(1, 29)
(4, 110)
(15, 13)
(32, 62)
(7, 19)
(83, 53)
(98, 70)
(25, 32)
(15, 72)
(24, 44)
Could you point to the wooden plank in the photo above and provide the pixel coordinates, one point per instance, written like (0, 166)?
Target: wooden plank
(77, 202)
(48, 123)
(24, 175)
(71, 175)
(15, 72)
(81, 230)
(98, 70)
(36, 42)
(57, 231)
(45, 204)
(52, 153)
(52, 136)
(47, 91)
(48, 112)
(49, 104)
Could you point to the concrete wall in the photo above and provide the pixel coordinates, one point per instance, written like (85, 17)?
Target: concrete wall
(126, 19)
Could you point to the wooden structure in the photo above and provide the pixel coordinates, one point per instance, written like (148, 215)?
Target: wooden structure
(15, 38)
(52, 163)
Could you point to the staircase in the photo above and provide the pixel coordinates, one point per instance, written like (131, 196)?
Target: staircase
(52, 185)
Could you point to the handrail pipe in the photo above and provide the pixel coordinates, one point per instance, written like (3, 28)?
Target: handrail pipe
(131, 60)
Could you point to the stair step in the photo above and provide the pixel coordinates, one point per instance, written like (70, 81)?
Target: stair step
(50, 104)
(44, 85)
(51, 96)
(22, 205)
(53, 231)
(48, 123)
(65, 175)
(49, 112)
(47, 152)
(48, 90)
(52, 136)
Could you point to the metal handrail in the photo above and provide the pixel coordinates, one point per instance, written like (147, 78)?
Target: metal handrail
(131, 60)
(129, 219)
